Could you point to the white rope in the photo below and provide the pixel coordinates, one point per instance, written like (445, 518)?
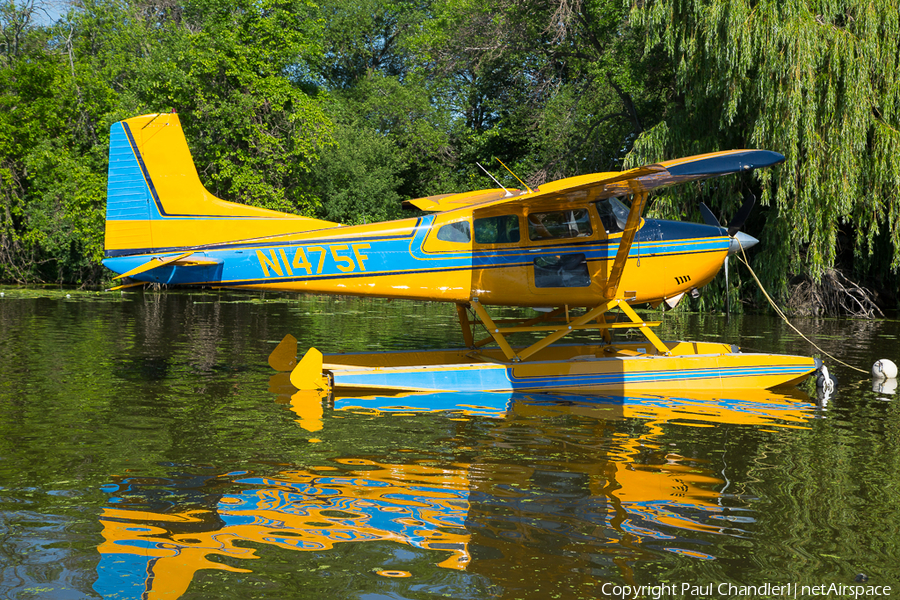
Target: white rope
(782, 315)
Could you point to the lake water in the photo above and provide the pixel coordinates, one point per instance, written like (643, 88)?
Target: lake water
(148, 451)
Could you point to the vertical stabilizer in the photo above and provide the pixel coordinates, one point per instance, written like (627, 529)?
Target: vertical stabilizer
(156, 202)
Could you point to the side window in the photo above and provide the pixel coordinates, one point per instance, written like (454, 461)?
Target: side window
(559, 224)
(455, 232)
(497, 230)
(613, 214)
(563, 270)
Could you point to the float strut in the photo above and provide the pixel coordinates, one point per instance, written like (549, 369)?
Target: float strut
(466, 325)
(493, 330)
(566, 329)
(645, 329)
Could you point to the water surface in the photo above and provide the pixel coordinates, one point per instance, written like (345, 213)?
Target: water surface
(148, 451)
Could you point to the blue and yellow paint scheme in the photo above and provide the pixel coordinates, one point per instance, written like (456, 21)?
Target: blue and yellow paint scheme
(571, 244)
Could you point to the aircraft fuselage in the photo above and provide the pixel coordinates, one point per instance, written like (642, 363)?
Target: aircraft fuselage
(450, 257)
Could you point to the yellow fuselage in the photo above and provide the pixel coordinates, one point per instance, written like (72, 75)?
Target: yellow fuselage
(408, 259)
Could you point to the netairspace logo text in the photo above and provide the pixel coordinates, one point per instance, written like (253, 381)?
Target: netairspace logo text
(786, 590)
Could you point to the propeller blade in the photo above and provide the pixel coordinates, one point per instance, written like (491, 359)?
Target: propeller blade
(727, 299)
(708, 217)
(738, 221)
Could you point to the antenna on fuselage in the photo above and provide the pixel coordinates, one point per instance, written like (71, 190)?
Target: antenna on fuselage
(508, 193)
(514, 175)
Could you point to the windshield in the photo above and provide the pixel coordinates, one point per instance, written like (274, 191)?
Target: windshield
(613, 214)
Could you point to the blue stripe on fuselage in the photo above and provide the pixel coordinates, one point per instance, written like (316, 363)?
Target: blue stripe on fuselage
(404, 254)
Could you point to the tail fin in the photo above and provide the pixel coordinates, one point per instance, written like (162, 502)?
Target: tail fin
(156, 202)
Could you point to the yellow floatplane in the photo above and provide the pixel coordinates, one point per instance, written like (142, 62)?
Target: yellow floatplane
(576, 250)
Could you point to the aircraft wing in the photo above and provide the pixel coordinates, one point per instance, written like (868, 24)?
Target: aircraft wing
(646, 178)
(445, 202)
(606, 185)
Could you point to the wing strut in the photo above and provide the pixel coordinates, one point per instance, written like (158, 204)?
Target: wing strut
(631, 227)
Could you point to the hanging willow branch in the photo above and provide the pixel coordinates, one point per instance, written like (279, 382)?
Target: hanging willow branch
(818, 81)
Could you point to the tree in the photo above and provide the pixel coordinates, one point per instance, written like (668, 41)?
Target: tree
(558, 87)
(364, 37)
(236, 70)
(393, 128)
(814, 80)
(237, 73)
(357, 178)
(50, 195)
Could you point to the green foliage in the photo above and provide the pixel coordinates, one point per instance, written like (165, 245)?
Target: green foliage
(554, 88)
(65, 214)
(237, 71)
(234, 70)
(814, 80)
(365, 37)
(384, 101)
(51, 196)
(357, 178)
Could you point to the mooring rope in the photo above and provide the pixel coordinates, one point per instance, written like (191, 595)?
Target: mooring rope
(782, 315)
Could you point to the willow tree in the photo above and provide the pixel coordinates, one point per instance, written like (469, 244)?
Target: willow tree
(817, 80)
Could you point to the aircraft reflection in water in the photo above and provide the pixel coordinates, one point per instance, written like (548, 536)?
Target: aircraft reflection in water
(628, 498)
(152, 549)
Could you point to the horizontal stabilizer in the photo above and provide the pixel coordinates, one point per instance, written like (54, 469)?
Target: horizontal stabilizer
(126, 286)
(153, 263)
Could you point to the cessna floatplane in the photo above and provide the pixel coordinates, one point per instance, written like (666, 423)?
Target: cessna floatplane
(571, 249)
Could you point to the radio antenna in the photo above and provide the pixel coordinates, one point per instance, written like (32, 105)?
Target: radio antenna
(508, 193)
(514, 175)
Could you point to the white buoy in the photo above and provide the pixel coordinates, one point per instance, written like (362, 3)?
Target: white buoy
(884, 386)
(884, 369)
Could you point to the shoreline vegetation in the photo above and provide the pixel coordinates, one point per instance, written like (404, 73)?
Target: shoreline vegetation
(342, 109)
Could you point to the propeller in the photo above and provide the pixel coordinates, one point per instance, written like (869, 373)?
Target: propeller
(735, 224)
(741, 215)
(739, 239)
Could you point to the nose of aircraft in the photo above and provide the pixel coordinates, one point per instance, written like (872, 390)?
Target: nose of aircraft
(741, 240)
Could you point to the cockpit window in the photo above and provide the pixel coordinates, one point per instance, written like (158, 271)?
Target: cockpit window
(497, 230)
(613, 214)
(559, 224)
(561, 270)
(455, 232)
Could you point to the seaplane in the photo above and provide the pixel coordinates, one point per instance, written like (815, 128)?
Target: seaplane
(578, 251)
